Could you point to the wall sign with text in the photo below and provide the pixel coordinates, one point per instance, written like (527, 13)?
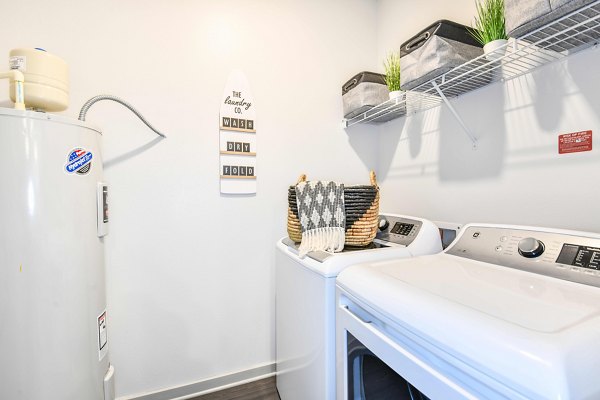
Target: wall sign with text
(237, 137)
(575, 142)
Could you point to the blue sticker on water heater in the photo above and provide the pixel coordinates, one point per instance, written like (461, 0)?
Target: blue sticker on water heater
(79, 161)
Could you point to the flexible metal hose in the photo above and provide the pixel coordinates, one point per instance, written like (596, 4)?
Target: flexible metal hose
(95, 99)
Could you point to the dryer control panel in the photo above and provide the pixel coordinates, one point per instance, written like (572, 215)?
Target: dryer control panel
(566, 255)
(398, 230)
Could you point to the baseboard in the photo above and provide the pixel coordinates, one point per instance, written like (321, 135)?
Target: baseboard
(208, 385)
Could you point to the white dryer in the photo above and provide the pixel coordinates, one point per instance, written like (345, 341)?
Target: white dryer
(305, 302)
(506, 312)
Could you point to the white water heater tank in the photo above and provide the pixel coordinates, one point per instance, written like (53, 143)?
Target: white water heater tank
(46, 79)
(53, 213)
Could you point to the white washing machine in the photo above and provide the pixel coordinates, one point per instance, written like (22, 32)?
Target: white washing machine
(305, 302)
(506, 312)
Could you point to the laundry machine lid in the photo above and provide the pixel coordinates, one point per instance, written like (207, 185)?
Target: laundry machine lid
(329, 265)
(535, 333)
(519, 299)
(424, 238)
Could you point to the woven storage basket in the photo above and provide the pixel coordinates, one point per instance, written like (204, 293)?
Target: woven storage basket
(361, 204)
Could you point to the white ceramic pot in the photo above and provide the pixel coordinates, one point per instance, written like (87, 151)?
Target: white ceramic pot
(395, 94)
(493, 50)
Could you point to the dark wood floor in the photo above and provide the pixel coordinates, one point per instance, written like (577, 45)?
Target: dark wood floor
(259, 390)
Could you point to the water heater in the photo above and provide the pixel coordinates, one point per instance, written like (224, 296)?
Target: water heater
(53, 210)
(54, 215)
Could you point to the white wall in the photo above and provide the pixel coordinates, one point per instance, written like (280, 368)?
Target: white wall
(190, 272)
(427, 166)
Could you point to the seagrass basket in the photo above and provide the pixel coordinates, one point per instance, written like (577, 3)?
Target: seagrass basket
(361, 204)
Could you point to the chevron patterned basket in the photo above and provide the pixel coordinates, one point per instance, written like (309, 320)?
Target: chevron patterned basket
(361, 204)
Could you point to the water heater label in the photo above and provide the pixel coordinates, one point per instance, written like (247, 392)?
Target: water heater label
(79, 161)
(18, 62)
(102, 336)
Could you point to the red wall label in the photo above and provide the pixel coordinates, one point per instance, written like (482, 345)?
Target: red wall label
(575, 142)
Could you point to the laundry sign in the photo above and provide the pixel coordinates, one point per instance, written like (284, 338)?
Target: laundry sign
(237, 137)
(575, 142)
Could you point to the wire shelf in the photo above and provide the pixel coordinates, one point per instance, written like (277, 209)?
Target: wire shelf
(554, 41)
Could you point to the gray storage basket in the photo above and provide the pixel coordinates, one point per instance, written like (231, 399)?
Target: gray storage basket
(363, 92)
(436, 50)
(525, 16)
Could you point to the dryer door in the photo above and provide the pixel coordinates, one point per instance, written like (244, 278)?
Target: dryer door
(369, 378)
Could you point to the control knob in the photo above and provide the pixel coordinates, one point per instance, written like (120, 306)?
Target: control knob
(383, 224)
(531, 247)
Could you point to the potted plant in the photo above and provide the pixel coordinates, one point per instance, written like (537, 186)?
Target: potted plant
(488, 27)
(392, 74)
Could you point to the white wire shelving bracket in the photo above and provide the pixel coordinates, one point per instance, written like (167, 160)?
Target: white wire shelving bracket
(554, 41)
(456, 115)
